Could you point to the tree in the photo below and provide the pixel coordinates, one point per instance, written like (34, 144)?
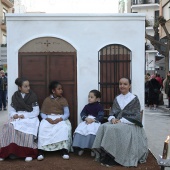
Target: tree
(162, 47)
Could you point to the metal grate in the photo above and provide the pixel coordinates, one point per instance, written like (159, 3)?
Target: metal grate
(114, 63)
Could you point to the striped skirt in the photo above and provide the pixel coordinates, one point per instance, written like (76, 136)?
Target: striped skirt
(18, 143)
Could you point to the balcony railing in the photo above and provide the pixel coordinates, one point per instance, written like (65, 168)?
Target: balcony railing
(138, 2)
(2, 21)
(8, 3)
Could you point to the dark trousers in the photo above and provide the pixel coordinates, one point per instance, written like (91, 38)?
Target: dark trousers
(3, 98)
(146, 98)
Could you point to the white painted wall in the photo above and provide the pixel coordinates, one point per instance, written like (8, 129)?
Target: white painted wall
(88, 33)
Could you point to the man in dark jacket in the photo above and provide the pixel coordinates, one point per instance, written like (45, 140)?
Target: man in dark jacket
(3, 90)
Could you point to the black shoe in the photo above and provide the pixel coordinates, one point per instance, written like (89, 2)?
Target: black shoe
(12, 156)
(4, 108)
(112, 163)
(108, 162)
(65, 154)
(0, 109)
(168, 107)
(104, 162)
(40, 152)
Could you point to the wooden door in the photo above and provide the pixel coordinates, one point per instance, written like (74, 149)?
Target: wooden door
(41, 68)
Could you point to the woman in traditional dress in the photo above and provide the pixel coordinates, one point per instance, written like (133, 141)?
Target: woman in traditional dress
(55, 128)
(92, 116)
(19, 134)
(122, 139)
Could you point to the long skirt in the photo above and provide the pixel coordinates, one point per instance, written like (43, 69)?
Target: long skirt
(85, 134)
(54, 146)
(127, 144)
(82, 141)
(18, 143)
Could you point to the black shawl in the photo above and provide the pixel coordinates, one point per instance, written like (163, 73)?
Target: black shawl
(131, 111)
(24, 104)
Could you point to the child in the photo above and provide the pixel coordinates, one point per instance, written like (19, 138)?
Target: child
(92, 115)
(55, 128)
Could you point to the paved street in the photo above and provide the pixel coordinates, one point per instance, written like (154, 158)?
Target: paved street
(157, 127)
(156, 124)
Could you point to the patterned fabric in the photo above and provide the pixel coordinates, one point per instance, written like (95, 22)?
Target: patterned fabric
(126, 143)
(18, 143)
(61, 145)
(26, 104)
(54, 105)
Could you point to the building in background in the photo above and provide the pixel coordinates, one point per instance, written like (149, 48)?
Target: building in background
(6, 6)
(19, 6)
(151, 9)
(124, 6)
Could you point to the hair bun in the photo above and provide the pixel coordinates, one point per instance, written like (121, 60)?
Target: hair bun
(17, 81)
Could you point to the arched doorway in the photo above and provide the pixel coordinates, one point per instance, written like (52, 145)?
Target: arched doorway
(45, 59)
(114, 63)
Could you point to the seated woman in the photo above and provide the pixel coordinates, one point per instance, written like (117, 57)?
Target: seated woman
(122, 139)
(55, 128)
(18, 135)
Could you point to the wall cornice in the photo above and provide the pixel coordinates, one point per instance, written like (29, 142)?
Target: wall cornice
(74, 17)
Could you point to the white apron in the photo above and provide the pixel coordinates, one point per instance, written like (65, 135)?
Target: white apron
(26, 125)
(87, 129)
(52, 133)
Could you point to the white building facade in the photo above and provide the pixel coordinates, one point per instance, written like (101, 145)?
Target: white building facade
(87, 33)
(151, 9)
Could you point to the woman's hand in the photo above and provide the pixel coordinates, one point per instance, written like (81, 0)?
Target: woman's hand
(57, 120)
(89, 120)
(50, 120)
(16, 116)
(21, 116)
(114, 121)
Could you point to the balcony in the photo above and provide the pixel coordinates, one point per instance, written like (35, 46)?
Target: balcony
(137, 2)
(3, 24)
(145, 4)
(8, 3)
